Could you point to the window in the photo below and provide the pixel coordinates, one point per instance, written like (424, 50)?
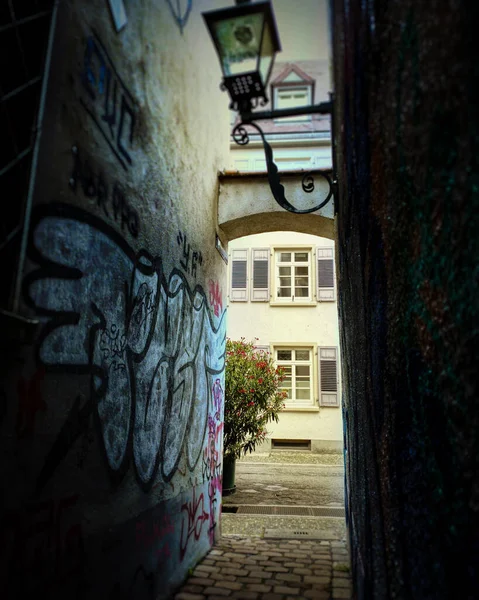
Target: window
(298, 374)
(292, 97)
(295, 278)
(328, 377)
(293, 275)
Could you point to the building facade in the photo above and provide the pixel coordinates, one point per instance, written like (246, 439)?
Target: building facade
(282, 295)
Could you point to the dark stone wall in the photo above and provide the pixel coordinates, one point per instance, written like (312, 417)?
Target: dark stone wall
(407, 132)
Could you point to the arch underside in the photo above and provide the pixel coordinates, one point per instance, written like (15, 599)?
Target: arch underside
(279, 221)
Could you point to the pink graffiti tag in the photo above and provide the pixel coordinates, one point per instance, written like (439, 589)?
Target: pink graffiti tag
(212, 457)
(215, 297)
(197, 516)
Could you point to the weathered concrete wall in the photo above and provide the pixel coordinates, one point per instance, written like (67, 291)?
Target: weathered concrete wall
(407, 147)
(111, 430)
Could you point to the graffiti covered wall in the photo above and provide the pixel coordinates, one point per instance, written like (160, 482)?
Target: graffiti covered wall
(407, 150)
(112, 419)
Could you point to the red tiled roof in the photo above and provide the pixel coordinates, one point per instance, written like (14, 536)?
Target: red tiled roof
(291, 68)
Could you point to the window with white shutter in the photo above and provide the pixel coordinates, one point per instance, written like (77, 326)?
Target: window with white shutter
(325, 279)
(328, 377)
(239, 275)
(260, 268)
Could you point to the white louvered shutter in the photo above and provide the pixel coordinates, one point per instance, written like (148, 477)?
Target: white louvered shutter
(328, 377)
(325, 274)
(239, 275)
(260, 267)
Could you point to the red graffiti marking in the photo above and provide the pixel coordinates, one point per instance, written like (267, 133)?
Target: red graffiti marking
(197, 516)
(212, 457)
(215, 297)
(30, 401)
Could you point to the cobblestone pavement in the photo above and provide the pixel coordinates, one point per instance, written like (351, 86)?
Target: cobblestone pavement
(251, 568)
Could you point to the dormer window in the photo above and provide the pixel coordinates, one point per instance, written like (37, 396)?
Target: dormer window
(292, 88)
(292, 97)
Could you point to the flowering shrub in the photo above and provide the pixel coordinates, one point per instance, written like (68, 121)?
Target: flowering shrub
(252, 397)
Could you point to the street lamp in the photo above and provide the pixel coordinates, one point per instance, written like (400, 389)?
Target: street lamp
(246, 40)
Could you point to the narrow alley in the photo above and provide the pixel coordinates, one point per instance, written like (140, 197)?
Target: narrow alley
(276, 541)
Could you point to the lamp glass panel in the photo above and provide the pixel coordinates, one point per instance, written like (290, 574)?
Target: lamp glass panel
(267, 55)
(238, 40)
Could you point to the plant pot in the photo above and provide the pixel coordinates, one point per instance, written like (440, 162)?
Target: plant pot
(229, 468)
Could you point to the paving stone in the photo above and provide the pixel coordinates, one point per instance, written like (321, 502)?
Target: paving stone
(244, 595)
(192, 589)
(316, 579)
(299, 564)
(258, 587)
(246, 580)
(215, 552)
(237, 572)
(200, 581)
(235, 565)
(317, 594)
(341, 574)
(341, 583)
(258, 573)
(221, 577)
(186, 596)
(205, 569)
(282, 589)
(288, 577)
(302, 571)
(341, 593)
(276, 569)
(229, 585)
(326, 572)
(215, 590)
(272, 596)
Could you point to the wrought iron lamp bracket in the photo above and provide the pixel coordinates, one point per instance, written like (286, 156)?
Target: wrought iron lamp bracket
(241, 137)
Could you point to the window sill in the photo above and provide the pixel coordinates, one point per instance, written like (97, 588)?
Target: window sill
(300, 409)
(308, 303)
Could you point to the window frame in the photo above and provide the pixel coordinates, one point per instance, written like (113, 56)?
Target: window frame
(292, 300)
(292, 86)
(295, 404)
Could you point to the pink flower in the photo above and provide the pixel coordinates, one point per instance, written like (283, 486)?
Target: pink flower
(260, 380)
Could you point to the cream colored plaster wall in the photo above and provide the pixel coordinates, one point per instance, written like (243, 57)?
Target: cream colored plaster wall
(286, 157)
(315, 325)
